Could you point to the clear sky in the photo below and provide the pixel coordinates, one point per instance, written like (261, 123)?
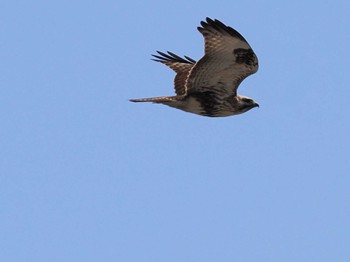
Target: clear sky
(86, 175)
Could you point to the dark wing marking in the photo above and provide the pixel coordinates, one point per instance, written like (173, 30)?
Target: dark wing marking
(228, 59)
(181, 66)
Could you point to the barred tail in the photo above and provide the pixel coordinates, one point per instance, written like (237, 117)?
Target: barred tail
(161, 99)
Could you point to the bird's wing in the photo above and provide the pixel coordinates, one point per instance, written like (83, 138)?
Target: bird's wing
(228, 59)
(181, 66)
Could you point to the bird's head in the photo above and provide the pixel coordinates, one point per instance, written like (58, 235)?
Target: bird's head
(246, 103)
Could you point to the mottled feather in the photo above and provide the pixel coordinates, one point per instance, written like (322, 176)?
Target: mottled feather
(181, 66)
(209, 87)
(219, 69)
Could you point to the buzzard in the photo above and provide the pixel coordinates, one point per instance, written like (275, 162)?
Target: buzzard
(209, 87)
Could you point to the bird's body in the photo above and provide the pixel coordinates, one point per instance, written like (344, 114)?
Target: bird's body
(209, 87)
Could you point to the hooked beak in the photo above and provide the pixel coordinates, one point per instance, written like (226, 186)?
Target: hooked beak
(256, 105)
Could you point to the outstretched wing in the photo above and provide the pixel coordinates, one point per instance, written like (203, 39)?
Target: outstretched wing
(228, 59)
(181, 66)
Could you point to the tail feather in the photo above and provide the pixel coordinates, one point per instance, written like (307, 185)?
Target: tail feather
(161, 99)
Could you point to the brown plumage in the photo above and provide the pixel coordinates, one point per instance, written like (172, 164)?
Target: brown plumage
(209, 87)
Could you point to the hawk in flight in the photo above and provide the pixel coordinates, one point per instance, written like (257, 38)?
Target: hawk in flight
(209, 87)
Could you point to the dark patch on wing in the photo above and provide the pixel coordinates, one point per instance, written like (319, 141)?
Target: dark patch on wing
(209, 102)
(245, 56)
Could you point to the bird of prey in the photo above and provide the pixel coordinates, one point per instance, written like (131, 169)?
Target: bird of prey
(209, 87)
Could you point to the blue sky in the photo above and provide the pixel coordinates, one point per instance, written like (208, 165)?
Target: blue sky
(86, 175)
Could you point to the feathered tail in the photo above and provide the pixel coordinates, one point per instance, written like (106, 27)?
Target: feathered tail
(161, 99)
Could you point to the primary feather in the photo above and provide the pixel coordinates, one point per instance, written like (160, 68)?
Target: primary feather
(209, 87)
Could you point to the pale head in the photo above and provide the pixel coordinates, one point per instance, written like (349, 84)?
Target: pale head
(245, 103)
